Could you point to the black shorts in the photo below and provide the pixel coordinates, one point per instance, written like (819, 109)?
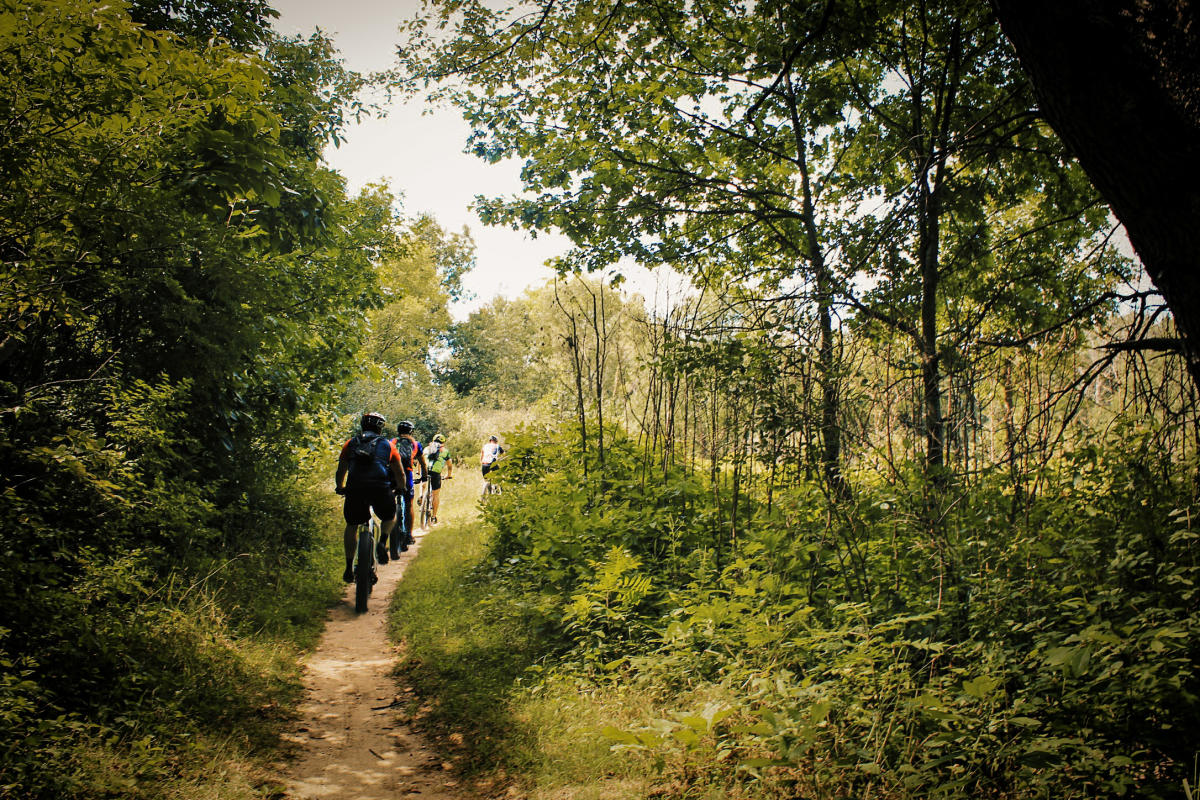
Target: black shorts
(435, 480)
(361, 500)
(488, 467)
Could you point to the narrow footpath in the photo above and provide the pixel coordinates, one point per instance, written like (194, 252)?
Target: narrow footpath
(354, 739)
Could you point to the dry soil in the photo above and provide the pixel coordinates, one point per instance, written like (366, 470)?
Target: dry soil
(354, 739)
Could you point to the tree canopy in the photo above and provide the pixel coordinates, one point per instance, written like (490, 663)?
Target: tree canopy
(183, 285)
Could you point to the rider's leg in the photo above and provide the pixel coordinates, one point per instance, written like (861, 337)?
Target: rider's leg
(397, 531)
(349, 540)
(356, 509)
(436, 497)
(387, 526)
(407, 538)
(409, 516)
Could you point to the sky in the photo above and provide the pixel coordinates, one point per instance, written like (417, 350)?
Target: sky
(419, 151)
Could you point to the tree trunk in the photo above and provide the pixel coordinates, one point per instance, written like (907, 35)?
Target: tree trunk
(931, 376)
(831, 432)
(1119, 81)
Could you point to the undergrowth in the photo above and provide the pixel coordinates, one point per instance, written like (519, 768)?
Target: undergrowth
(159, 678)
(478, 657)
(613, 634)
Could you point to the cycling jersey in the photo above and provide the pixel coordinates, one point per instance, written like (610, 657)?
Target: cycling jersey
(436, 456)
(491, 451)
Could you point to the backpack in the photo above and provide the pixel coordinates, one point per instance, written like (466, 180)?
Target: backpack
(405, 449)
(435, 456)
(368, 460)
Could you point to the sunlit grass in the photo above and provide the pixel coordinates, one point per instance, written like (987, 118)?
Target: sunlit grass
(467, 652)
(234, 632)
(467, 665)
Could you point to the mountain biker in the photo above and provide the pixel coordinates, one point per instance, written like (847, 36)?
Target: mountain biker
(491, 451)
(410, 450)
(437, 455)
(368, 466)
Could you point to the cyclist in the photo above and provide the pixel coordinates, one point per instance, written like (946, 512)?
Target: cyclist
(368, 466)
(437, 455)
(410, 451)
(487, 459)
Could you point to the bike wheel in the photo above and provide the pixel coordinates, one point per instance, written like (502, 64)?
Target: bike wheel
(365, 567)
(427, 509)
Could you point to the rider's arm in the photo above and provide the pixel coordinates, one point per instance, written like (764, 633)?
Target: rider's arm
(339, 479)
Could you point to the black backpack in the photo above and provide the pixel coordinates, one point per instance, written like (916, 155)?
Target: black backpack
(405, 449)
(368, 460)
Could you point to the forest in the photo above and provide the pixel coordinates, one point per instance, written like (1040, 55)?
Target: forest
(886, 493)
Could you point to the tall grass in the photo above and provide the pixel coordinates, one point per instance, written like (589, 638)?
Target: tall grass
(190, 677)
(478, 657)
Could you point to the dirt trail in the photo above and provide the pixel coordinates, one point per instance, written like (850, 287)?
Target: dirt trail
(353, 738)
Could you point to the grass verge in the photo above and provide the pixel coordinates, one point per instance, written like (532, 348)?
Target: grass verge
(204, 674)
(479, 661)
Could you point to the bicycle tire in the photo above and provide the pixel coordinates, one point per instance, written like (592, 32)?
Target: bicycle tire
(427, 508)
(364, 567)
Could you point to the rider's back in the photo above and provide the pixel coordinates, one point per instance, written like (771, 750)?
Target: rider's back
(367, 456)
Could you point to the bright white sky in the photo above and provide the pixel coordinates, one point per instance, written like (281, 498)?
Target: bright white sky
(420, 155)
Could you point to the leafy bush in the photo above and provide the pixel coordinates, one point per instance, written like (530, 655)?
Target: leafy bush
(1050, 653)
(182, 286)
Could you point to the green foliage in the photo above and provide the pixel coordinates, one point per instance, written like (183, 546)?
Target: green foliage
(1048, 656)
(421, 269)
(181, 287)
(495, 354)
(243, 23)
(509, 352)
(897, 257)
(466, 643)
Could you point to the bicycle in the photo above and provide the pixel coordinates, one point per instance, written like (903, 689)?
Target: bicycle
(488, 486)
(364, 564)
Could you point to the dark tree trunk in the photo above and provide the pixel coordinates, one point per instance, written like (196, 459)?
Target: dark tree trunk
(1119, 81)
(831, 432)
(931, 373)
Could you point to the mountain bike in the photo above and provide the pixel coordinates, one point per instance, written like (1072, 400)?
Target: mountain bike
(364, 564)
(488, 486)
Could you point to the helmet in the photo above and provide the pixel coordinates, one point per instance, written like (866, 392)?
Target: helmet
(404, 427)
(439, 438)
(493, 439)
(372, 421)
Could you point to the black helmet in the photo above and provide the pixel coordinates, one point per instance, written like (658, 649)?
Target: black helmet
(404, 427)
(372, 422)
